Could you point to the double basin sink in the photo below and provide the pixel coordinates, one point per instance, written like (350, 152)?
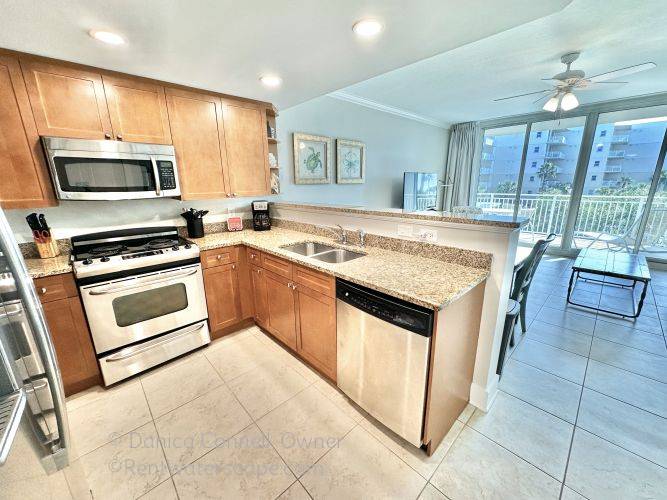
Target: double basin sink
(323, 252)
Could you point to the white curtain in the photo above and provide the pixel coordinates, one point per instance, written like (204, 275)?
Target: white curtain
(462, 158)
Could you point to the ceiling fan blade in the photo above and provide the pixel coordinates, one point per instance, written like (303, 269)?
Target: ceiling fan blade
(540, 98)
(522, 95)
(617, 73)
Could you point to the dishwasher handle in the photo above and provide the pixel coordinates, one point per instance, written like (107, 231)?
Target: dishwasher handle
(395, 311)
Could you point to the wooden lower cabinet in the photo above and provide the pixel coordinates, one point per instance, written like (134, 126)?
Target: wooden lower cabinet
(316, 318)
(259, 295)
(223, 297)
(74, 347)
(281, 308)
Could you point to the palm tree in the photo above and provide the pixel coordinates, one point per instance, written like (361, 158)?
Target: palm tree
(662, 181)
(625, 182)
(547, 172)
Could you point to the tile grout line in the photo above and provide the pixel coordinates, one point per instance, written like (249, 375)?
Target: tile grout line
(164, 455)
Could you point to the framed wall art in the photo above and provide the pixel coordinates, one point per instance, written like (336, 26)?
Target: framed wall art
(350, 161)
(312, 159)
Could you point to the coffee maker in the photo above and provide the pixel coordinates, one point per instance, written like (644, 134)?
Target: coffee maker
(260, 215)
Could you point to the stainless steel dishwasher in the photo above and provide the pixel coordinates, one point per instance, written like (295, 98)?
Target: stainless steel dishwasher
(383, 355)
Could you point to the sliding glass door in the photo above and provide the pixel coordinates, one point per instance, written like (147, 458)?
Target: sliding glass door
(500, 169)
(546, 189)
(623, 161)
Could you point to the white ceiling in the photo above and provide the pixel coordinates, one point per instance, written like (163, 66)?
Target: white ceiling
(460, 85)
(224, 45)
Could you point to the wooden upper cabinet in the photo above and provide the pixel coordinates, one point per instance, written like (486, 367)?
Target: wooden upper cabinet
(25, 178)
(66, 102)
(137, 109)
(199, 140)
(246, 145)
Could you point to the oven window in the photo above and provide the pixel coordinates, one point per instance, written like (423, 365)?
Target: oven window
(142, 306)
(103, 175)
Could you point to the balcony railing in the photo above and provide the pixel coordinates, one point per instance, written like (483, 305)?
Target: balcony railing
(616, 154)
(620, 139)
(554, 155)
(614, 215)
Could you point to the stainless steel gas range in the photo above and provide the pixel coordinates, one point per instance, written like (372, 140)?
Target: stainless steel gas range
(143, 294)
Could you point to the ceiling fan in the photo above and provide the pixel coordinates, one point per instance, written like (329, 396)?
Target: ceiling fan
(562, 96)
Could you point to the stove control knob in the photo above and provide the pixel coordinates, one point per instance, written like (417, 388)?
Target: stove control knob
(188, 246)
(104, 259)
(174, 248)
(87, 261)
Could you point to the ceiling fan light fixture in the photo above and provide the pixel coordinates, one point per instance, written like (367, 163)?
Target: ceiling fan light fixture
(552, 104)
(569, 101)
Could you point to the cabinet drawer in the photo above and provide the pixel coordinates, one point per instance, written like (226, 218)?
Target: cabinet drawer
(254, 256)
(315, 280)
(219, 257)
(277, 265)
(56, 287)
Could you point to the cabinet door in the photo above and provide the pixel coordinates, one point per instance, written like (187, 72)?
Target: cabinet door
(137, 109)
(66, 102)
(199, 140)
(316, 315)
(281, 308)
(25, 179)
(221, 285)
(246, 145)
(71, 339)
(259, 295)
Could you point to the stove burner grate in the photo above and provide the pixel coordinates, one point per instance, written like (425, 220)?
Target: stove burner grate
(162, 243)
(107, 250)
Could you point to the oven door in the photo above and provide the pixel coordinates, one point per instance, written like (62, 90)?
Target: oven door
(124, 311)
(89, 175)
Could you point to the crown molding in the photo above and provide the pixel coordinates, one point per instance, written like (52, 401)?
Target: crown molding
(361, 101)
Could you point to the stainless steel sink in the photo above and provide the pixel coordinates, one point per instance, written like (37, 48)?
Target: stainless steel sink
(337, 256)
(308, 248)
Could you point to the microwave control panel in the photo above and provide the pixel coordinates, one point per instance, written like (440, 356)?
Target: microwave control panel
(167, 174)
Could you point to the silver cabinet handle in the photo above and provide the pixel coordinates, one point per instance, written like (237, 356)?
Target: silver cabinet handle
(218, 257)
(133, 351)
(233, 266)
(42, 290)
(143, 284)
(107, 136)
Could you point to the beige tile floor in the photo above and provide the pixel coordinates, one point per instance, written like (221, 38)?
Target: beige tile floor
(582, 413)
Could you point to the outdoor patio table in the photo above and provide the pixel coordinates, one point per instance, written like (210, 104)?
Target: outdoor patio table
(608, 264)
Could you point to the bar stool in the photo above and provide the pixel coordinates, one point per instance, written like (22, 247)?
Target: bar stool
(513, 308)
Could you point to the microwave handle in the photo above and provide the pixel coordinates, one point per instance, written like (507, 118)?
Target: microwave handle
(156, 175)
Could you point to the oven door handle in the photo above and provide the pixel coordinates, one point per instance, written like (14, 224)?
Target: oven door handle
(156, 175)
(133, 351)
(143, 284)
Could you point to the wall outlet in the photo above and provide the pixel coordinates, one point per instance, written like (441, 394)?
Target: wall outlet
(430, 235)
(404, 230)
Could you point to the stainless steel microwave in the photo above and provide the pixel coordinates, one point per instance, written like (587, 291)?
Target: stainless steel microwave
(111, 170)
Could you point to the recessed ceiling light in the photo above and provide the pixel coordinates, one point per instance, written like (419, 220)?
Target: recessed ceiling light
(367, 28)
(107, 37)
(271, 80)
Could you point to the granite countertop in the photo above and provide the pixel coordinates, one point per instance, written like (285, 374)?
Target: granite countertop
(427, 282)
(491, 220)
(39, 268)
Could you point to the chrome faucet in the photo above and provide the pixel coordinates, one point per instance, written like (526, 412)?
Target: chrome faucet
(362, 237)
(342, 236)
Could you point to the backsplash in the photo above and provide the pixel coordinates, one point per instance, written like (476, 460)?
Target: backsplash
(79, 217)
(470, 258)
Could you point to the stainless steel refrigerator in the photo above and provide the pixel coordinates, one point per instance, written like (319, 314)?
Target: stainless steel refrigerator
(34, 433)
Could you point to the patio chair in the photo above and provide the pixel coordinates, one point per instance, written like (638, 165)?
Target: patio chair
(524, 278)
(614, 243)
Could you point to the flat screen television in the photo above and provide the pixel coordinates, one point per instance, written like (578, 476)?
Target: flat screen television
(420, 191)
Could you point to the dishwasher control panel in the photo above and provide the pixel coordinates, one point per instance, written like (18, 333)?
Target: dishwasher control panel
(390, 309)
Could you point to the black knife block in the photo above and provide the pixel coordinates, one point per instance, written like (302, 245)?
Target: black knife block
(195, 228)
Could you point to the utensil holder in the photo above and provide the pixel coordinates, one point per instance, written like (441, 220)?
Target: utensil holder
(48, 249)
(195, 228)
